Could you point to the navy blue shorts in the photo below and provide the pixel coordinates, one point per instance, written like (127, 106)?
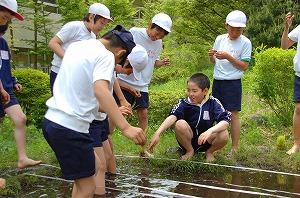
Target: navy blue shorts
(74, 151)
(297, 89)
(52, 80)
(99, 131)
(136, 102)
(13, 101)
(197, 148)
(229, 92)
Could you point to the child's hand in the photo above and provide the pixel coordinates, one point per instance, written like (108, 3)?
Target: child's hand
(211, 52)
(5, 97)
(153, 143)
(204, 137)
(288, 20)
(135, 134)
(126, 111)
(18, 87)
(221, 55)
(166, 61)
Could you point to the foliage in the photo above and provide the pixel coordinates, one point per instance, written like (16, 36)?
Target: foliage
(265, 25)
(35, 92)
(273, 81)
(72, 10)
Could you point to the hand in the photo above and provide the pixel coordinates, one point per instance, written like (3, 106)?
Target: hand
(221, 55)
(135, 134)
(5, 96)
(125, 103)
(165, 61)
(18, 87)
(212, 52)
(204, 137)
(126, 111)
(153, 143)
(288, 20)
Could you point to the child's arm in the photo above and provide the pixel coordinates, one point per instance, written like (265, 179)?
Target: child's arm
(286, 42)
(127, 87)
(5, 97)
(221, 126)
(120, 95)
(109, 105)
(211, 54)
(239, 64)
(167, 123)
(55, 44)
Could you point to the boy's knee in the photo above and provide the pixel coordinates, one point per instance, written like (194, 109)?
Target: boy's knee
(180, 125)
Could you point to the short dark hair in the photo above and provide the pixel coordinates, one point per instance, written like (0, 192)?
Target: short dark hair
(201, 80)
(96, 18)
(153, 25)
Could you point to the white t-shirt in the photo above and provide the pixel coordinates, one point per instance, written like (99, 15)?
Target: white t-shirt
(101, 115)
(153, 49)
(294, 35)
(73, 104)
(69, 33)
(239, 48)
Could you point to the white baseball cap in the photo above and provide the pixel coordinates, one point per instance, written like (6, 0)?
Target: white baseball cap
(163, 20)
(138, 59)
(12, 5)
(236, 18)
(100, 9)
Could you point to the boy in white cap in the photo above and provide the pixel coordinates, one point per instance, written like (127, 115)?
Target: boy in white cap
(151, 39)
(74, 106)
(231, 55)
(92, 24)
(287, 40)
(99, 128)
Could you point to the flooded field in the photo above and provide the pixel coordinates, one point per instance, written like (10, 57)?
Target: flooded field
(137, 177)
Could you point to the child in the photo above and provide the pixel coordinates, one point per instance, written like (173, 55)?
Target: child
(74, 105)
(92, 24)
(8, 9)
(99, 128)
(136, 91)
(231, 54)
(194, 119)
(287, 40)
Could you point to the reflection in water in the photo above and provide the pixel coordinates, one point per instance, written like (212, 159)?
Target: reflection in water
(140, 179)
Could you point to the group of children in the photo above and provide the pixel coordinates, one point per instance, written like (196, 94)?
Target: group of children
(95, 82)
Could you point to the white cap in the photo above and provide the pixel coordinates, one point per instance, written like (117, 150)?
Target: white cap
(138, 59)
(236, 18)
(163, 20)
(99, 9)
(12, 5)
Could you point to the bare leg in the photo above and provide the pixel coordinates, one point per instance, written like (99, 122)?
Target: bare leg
(100, 174)
(109, 157)
(235, 130)
(184, 135)
(2, 183)
(19, 119)
(296, 130)
(84, 187)
(217, 142)
(143, 123)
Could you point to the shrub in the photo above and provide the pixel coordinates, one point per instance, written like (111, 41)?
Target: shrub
(273, 81)
(36, 91)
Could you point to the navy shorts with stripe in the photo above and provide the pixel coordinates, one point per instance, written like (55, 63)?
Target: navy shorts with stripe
(136, 102)
(297, 89)
(13, 101)
(99, 131)
(229, 92)
(74, 150)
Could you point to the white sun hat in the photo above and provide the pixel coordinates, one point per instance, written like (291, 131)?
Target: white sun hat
(138, 59)
(12, 5)
(100, 9)
(236, 18)
(163, 20)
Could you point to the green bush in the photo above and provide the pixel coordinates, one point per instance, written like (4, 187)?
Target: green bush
(273, 81)
(36, 91)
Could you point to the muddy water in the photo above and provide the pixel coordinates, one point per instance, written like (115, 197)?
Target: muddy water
(146, 178)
